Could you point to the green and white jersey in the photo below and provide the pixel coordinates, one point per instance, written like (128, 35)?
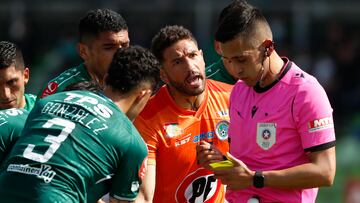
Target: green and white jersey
(66, 78)
(30, 100)
(217, 71)
(77, 146)
(11, 124)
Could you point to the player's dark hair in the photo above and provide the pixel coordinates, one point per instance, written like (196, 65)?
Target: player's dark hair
(98, 21)
(130, 67)
(91, 86)
(168, 36)
(238, 18)
(10, 54)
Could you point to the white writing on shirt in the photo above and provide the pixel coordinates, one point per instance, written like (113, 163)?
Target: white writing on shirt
(80, 112)
(321, 124)
(10, 112)
(44, 172)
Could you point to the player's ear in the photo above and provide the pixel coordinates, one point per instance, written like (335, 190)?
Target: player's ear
(26, 74)
(142, 96)
(163, 76)
(144, 93)
(105, 78)
(217, 47)
(144, 90)
(83, 50)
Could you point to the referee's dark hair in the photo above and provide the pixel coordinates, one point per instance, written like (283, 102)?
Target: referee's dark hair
(130, 67)
(10, 54)
(98, 21)
(239, 18)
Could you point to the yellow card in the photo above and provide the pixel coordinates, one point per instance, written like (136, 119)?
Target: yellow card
(222, 165)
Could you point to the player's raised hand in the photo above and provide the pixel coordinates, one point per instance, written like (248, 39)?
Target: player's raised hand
(237, 177)
(207, 153)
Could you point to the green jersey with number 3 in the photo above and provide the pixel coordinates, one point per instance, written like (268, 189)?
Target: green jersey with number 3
(77, 146)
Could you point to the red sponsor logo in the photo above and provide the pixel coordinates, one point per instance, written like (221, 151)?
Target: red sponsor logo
(143, 169)
(320, 124)
(199, 186)
(49, 90)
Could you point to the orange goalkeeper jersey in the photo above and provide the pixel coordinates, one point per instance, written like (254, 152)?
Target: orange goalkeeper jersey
(172, 133)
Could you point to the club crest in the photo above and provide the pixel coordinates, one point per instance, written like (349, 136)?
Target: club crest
(222, 130)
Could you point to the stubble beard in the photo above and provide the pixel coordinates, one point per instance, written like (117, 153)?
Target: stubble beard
(180, 87)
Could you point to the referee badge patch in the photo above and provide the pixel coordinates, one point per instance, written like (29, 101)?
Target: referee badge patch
(266, 135)
(222, 129)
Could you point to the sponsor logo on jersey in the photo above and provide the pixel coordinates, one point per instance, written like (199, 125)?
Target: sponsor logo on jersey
(266, 135)
(173, 130)
(206, 136)
(223, 113)
(107, 177)
(50, 89)
(222, 130)
(321, 124)
(143, 168)
(43, 172)
(299, 75)
(135, 186)
(198, 186)
(239, 113)
(182, 141)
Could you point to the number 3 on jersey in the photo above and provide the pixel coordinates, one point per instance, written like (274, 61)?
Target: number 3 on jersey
(54, 140)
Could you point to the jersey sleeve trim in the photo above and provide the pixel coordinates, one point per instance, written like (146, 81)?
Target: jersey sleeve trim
(321, 147)
(212, 74)
(123, 198)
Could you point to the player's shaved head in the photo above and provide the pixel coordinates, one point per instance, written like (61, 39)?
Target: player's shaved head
(10, 55)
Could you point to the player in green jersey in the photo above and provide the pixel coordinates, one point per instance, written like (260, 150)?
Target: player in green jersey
(222, 70)
(13, 78)
(11, 124)
(79, 145)
(101, 33)
(217, 71)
